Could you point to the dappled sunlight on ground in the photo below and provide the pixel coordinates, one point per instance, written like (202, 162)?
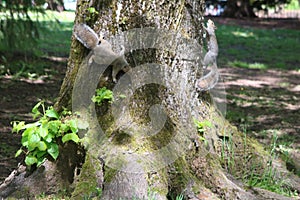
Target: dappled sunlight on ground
(264, 100)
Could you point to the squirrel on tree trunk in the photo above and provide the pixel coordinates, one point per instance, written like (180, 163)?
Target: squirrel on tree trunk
(102, 50)
(210, 59)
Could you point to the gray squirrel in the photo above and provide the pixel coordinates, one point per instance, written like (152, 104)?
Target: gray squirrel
(210, 59)
(102, 50)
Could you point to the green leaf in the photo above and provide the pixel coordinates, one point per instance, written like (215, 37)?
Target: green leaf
(33, 140)
(31, 125)
(102, 94)
(29, 131)
(17, 126)
(206, 123)
(35, 110)
(40, 161)
(53, 151)
(43, 130)
(201, 125)
(94, 99)
(18, 152)
(42, 146)
(204, 140)
(25, 136)
(30, 160)
(49, 138)
(52, 113)
(70, 136)
(64, 128)
(24, 141)
(73, 125)
(196, 122)
(92, 10)
(41, 154)
(53, 126)
(66, 112)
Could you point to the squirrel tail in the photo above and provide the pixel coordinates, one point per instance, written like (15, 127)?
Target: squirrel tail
(86, 36)
(209, 81)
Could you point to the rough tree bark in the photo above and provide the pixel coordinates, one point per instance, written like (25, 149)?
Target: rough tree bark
(124, 161)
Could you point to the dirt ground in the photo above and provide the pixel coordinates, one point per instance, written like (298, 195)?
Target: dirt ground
(265, 101)
(17, 99)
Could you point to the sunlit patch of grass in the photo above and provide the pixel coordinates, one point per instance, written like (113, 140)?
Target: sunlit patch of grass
(55, 30)
(65, 17)
(247, 65)
(243, 34)
(257, 66)
(54, 34)
(271, 48)
(55, 38)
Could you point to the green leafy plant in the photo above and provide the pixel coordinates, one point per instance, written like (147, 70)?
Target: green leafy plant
(201, 128)
(40, 138)
(103, 94)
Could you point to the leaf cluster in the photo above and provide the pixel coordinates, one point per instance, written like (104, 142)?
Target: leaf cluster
(40, 138)
(201, 128)
(103, 94)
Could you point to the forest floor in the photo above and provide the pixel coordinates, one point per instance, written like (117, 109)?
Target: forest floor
(263, 102)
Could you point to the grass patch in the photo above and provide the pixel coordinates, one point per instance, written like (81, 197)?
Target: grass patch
(247, 65)
(258, 48)
(28, 59)
(56, 37)
(269, 180)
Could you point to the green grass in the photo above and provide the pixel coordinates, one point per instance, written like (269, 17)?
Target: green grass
(56, 37)
(258, 48)
(54, 29)
(269, 180)
(28, 59)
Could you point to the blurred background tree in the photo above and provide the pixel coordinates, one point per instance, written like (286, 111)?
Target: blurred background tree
(247, 8)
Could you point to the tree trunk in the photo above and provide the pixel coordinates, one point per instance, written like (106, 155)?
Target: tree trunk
(145, 144)
(238, 9)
